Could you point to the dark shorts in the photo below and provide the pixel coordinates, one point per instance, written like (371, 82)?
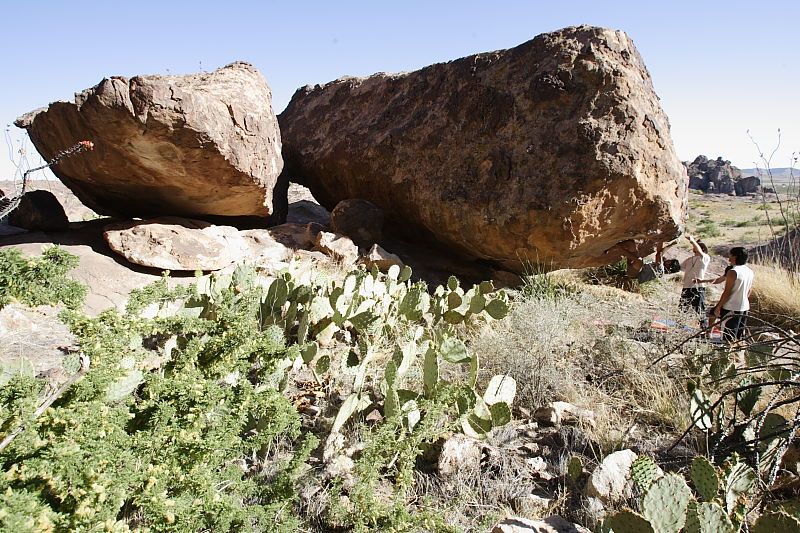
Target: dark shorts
(733, 324)
(694, 298)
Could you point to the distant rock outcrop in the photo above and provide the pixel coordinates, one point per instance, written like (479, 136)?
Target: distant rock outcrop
(718, 176)
(552, 152)
(201, 144)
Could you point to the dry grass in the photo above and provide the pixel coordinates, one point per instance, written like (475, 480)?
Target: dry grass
(592, 349)
(776, 294)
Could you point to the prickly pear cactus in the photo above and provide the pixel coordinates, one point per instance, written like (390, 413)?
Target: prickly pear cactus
(776, 523)
(628, 522)
(644, 472)
(739, 481)
(705, 517)
(574, 469)
(665, 504)
(705, 478)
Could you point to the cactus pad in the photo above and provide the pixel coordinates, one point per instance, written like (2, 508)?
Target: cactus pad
(666, 502)
(705, 478)
(776, 523)
(644, 472)
(628, 522)
(707, 517)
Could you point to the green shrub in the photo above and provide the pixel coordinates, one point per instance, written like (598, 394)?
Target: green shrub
(188, 447)
(39, 280)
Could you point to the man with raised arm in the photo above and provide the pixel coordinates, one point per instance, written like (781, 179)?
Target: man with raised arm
(693, 296)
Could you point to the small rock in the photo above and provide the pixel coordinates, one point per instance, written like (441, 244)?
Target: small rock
(553, 524)
(534, 505)
(380, 258)
(360, 220)
(341, 467)
(558, 413)
(459, 453)
(312, 230)
(611, 480)
(39, 210)
(595, 509)
(374, 417)
(338, 247)
(530, 448)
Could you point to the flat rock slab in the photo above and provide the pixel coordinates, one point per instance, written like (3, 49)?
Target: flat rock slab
(172, 243)
(201, 144)
(552, 152)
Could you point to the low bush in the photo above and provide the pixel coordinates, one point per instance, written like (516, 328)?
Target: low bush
(39, 280)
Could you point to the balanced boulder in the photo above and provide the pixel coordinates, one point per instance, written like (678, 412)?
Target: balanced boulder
(551, 152)
(201, 144)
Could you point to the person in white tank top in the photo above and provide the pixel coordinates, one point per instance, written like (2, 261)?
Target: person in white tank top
(735, 300)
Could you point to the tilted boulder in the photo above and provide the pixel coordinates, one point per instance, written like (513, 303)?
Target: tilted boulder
(551, 152)
(202, 144)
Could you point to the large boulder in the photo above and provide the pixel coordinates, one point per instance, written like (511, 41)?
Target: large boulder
(39, 210)
(202, 144)
(552, 152)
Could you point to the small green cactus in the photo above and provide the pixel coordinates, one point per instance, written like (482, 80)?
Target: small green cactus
(574, 469)
(705, 478)
(644, 472)
(497, 309)
(430, 371)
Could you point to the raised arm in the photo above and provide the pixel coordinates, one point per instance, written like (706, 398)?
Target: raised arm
(695, 247)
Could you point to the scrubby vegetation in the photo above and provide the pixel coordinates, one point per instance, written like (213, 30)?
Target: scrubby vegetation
(322, 401)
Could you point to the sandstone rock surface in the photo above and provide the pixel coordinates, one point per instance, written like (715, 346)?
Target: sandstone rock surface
(381, 259)
(201, 144)
(611, 480)
(39, 210)
(359, 219)
(173, 243)
(551, 152)
(181, 244)
(338, 247)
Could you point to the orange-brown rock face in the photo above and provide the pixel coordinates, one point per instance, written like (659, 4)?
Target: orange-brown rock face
(202, 144)
(551, 152)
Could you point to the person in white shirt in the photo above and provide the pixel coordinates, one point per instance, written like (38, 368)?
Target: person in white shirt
(735, 300)
(693, 295)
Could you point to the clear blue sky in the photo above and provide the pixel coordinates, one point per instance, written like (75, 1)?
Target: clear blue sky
(720, 67)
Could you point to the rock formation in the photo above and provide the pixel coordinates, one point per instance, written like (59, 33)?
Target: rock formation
(202, 144)
(39, 210)
(719, 176)
(174, 243)
(551, 152)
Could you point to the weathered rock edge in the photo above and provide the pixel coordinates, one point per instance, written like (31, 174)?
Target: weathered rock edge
(551, 152)
(194, 145)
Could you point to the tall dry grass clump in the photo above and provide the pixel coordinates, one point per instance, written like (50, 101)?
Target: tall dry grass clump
(775, 296)
(590, 348)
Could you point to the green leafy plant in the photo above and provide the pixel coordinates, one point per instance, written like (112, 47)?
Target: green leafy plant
(39, 280)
